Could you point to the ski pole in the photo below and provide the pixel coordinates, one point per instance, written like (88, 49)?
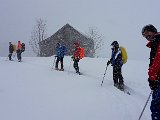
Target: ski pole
(53, 62)
(104, 75)
(145, 105)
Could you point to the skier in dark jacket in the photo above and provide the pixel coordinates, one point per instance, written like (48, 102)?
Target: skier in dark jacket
(116, 62)
(60, 52)
(151, 34)
(11, 49)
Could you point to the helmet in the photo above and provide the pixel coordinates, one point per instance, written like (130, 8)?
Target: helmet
(114, 44)
(150, 28)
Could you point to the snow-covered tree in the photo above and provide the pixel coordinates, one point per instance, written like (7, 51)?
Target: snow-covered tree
(37, 35)
(97, 38)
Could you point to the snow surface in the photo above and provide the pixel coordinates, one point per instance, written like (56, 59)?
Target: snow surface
(30, 90)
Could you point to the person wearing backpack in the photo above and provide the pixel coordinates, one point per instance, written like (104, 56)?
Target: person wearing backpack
(151, 34)
(23, 47)
(11, 49)
(76, 56)
(117, 63)
(19, 47)
(60, 52)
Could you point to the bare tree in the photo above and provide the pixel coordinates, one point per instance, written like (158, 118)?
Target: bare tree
(37, 35)
(97, 38)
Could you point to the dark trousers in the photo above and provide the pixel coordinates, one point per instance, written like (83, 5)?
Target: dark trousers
(117, 74)
(155, 104)
(75, 65)
(61, 61)
(19, 57)
(10, 56)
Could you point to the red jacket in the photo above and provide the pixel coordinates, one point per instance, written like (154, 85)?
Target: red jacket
(154, 67)
(76, 53)
(19, 46)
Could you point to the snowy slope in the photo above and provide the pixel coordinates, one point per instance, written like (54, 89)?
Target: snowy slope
(30, 90)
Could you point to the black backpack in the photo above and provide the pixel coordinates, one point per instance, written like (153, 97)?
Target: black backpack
(23, 47)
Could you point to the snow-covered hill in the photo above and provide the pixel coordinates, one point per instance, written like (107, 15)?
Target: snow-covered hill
(30, 90)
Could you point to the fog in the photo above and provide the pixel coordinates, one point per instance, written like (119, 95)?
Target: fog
(115, 20)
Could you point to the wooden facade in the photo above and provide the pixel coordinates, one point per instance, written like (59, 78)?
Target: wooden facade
(67, 35)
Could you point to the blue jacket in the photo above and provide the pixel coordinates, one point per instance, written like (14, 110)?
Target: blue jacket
(116, 57)
(60, 51)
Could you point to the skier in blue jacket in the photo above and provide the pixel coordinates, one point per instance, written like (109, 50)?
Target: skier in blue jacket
(117, 63)
(60, 52)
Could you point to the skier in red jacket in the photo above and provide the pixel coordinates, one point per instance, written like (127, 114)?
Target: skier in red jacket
(76, 57)
(151, 34)
(19, 47)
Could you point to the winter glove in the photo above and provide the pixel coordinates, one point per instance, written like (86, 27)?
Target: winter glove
(72, 57)
(154, 84)
(121, 63)
(108, 62)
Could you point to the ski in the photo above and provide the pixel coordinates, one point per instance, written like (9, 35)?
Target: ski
(125, 90)
(78, 73)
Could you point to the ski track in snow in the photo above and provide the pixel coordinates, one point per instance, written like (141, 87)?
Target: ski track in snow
(118, 105)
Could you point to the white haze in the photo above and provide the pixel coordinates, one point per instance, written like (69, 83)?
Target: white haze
(115, 20)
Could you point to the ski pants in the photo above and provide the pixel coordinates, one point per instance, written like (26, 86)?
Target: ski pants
(19, 57)
(155, 104)
(61, 61)
(117, 74)
(10, 56)
(75, 65)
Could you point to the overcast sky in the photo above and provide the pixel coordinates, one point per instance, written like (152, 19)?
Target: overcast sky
(120, 20)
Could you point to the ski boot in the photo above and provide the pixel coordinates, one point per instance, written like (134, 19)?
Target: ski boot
(78, 72)
(116, 85)
(61, 69)
(121, 86)
(56, 68)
